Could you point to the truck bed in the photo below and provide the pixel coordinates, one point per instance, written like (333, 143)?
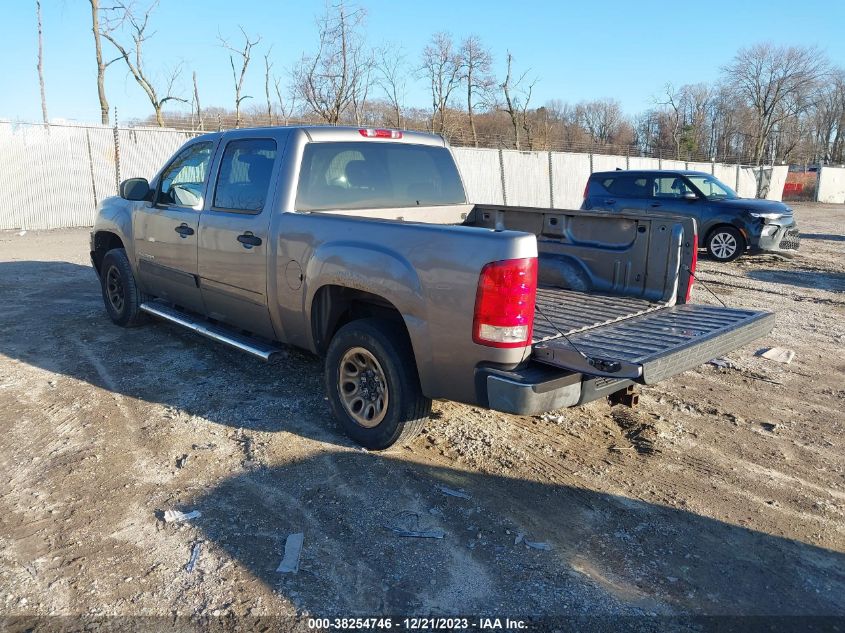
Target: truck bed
(570, 311)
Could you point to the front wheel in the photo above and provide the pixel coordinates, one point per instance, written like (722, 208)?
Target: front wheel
(373, 386)
(725, 244)
(121, 294)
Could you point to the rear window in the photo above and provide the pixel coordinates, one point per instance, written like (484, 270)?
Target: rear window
(374, 175)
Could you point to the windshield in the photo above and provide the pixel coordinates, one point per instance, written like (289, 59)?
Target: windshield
(367, 174)
(712, 187)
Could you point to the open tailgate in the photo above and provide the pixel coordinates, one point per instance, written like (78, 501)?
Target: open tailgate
(656, 345)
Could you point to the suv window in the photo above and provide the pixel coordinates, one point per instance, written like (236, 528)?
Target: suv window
(183, 181)
(670, 187)
(627, 186)
(377, 175)
(245, 173)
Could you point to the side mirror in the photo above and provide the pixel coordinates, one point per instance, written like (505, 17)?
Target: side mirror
(689, 195)
(135, 189)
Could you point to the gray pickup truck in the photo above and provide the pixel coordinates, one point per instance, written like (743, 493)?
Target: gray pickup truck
(359, 245)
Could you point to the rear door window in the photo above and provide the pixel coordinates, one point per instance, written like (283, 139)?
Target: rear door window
(376, 175)
(245, 173)
(627, 186)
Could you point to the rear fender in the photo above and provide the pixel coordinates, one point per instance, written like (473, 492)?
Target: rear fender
(378, 271)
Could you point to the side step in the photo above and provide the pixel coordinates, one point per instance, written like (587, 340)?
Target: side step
(220, 333)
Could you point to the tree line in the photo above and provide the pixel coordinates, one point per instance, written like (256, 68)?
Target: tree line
(771, 103)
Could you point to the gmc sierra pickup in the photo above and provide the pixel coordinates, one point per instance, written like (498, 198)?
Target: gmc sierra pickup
(359, 245)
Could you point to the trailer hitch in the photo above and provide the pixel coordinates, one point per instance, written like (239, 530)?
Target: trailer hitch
(628, 397)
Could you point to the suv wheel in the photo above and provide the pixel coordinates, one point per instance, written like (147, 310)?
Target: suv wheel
(372, 384)
(725, 244)
(121, 295)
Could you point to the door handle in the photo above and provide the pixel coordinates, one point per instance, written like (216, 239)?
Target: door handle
(184, 230)
(610, 201)
(249, 240)
(656, 204)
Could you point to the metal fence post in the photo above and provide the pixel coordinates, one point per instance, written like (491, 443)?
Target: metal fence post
(736, 184)
(502, 173)
(116, 155)
(551, 183)
(91, 166)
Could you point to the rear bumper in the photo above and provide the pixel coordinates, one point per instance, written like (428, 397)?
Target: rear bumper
(537, 388)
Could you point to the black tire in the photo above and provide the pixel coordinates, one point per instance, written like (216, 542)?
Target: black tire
(121, 295)
(725, 244)
(405, 409)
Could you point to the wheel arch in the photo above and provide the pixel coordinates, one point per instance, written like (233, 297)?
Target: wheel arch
(333, 306)
(102, 242)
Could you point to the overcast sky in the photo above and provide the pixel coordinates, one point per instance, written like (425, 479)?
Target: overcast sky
(579, 50)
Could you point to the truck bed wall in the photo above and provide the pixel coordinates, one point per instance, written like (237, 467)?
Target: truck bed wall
(623, 253)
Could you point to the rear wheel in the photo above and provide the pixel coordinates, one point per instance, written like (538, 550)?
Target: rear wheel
(373, 386)
(725, 244)
(121, 295)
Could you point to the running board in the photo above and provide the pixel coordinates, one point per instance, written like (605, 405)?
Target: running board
(216, 332)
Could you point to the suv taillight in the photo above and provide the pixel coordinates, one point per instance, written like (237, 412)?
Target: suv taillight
(693, 264)
(587, 189)
(504, 303)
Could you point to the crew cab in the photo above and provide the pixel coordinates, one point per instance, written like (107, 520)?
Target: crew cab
(729, 225)
(359, 245)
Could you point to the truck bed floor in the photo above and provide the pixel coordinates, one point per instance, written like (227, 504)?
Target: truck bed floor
(573, 311)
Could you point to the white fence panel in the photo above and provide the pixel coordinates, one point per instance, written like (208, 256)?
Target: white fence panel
(726, 173)
(641, 162)
(776, 182)
(569, 178)
(747, 187)
(102, 161)
(832, 185)
(672, 164)
(481, 174)
(144, 151)
(46, 178)
(603, 162)
(526, 178)
(707, 168)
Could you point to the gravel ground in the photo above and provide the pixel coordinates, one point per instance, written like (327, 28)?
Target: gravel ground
(722, 494)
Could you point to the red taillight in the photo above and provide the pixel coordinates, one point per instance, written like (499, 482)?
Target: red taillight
(371, 133)
(587, 189)
(504, 303)
(692, 267)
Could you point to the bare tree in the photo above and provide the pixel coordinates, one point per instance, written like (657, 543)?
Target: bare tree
(517, 96)
(336, 76)
(476, 62)
(268, 65)
(196, 103)
(245, 55)
(101, 65)
(40, 64)
(601, 119)
(441, 65)
(775, 82)
(125, 14)
(391, 76)
(286, 109)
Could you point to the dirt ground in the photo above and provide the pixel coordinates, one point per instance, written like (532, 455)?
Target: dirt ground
(723, 493)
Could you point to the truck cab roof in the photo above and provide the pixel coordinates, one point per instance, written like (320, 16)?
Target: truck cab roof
(331, 133)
